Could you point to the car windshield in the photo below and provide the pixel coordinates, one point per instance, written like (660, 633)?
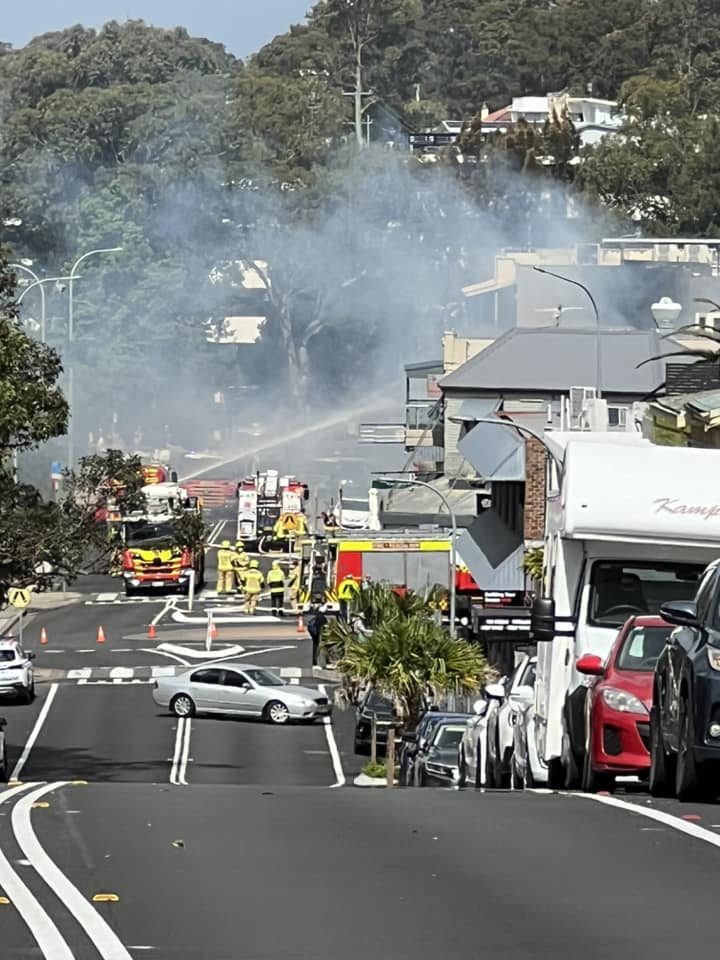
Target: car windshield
(641, 648)
(264, 678)
(448, 737)
(620, 588)
(527, 678)
(138, 533)
(7, 655)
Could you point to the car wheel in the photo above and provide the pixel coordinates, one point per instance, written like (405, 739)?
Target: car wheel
(659, 783)
(516, 781)
(592, 781)
(505, 770)
(276, 712)
(182, 705)
(478, 766)
(462, 770)
(693, 780)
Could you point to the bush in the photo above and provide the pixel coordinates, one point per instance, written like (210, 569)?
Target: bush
(375, 769)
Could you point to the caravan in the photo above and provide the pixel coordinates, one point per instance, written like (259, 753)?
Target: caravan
(629, 525)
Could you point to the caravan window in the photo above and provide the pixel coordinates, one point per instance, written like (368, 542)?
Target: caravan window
(620, 588)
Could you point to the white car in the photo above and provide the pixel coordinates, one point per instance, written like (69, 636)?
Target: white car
(526, 770)
(471, 751)
(510, 699)
(16, 671)
(352, 514)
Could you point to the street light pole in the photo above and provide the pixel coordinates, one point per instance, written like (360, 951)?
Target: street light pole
(453, 549)
(40, 283)
(71, 336)
(576, 283)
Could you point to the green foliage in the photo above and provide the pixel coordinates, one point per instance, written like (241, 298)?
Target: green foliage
(378, 770)
(533, 563)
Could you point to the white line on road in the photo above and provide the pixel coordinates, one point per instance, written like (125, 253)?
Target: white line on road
(101, 935)
(44, 932)
(168, 606)
(121, 673)
(332, 746)
(164, 653)
(81, 674)
(162, 672)
(181, 753)
(35, 732)
(692, 829)
(233, 650)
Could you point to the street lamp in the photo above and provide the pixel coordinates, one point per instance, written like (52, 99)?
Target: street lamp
(37, 282)
(71, 334)
(665, 313)
(576, 283)
(453, 552)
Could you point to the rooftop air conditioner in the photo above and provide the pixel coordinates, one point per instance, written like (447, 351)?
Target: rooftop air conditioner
(578, 400)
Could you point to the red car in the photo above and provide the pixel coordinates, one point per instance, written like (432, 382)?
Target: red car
(617, 707)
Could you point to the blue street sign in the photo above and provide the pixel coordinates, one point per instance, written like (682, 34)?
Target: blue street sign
(56, 471)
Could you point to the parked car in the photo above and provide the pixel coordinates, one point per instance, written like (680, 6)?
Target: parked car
(501, 718)
(239, 688)
(685, 711)
(16, 671)
(618, 701)
(372, 703)
(436, 763)
(4, 771)
(526, 769)
(471, 749)
(413, 743)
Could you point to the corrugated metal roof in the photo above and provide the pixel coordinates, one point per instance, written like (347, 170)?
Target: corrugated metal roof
(555, 359)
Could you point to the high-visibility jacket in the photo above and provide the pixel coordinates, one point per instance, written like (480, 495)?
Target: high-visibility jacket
(276, 581)
(348, 589)
(253, 580)
(240, 560)
(225, 559)
(294, 578)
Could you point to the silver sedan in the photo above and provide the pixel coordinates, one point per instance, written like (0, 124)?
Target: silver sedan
(241, 689)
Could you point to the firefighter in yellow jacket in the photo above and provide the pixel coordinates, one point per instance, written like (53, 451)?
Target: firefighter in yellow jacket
(225, 566)
(254, 582)
(241, 564)
(276, 585)
(347, 591)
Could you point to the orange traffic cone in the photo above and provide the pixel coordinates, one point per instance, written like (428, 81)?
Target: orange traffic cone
(43, 636)
(100, 635)
(300, 625)
(151, 632)
(213, 630)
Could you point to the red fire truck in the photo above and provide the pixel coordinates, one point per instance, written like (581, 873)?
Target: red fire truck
(271, 510)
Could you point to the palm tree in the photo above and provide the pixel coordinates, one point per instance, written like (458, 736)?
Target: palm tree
(409, 657)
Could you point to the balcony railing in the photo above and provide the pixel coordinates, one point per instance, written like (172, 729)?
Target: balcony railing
(381, 433)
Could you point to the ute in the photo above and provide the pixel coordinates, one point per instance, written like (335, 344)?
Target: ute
(271, 510)
(151, 559)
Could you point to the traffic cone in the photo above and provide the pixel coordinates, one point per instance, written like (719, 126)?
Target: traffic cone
(151, 632)
(300, 624)
(100, 635)
(213, 630)
(43, 636)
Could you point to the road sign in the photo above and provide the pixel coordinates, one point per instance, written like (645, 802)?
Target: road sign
(19, 597)
(56, 470)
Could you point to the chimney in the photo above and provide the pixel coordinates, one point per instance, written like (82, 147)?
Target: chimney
(484, 112)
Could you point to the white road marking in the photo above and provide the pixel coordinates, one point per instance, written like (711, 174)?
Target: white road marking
(43, 930)
(684, 826)
(292, 672)
(122, 650)
(162, 672)
(168, 606)
(101, 935)
(180, 754)
(257, 653)
(82, 674)
(91, 650)
(107, 597)
(332, 746)
(223, 652)
(121, 673)
(45, 652)
(172, 656)
(35, 732)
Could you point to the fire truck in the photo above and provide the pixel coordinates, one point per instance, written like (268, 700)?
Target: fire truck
(111, 512)
(403, 560)
(150, 558)
(265, 499)
(215, 494)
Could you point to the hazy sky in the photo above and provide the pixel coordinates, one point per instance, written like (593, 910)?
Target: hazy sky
(242, 25)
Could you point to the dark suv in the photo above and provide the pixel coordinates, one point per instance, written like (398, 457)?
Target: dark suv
(685, 714)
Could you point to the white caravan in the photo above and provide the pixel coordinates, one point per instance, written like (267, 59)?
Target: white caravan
(628, 526)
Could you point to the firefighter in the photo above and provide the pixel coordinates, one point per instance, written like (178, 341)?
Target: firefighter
(347, 592)
(242, 562)
(276, 583)
(116, 546)
(254, 582)
(225, 560)
(279, 530)
(293, 585)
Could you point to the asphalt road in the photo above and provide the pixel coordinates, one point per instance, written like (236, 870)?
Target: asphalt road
(230, 839)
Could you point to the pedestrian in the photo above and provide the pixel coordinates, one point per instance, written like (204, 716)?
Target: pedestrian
(347, 592)
(225, 567)
(276, 583)
(254, 582)
(315, 624)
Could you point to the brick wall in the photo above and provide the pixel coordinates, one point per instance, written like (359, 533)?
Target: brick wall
(534, 507)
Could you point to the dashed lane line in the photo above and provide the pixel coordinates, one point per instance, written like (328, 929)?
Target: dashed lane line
(143, 674)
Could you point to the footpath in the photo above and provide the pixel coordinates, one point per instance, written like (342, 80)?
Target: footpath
(48, 600)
